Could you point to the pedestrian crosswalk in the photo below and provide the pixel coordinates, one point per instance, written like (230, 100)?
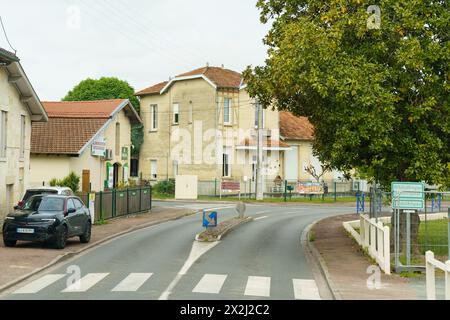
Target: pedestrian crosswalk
(258, 286)
(210, 283)
(132, 282)
(255, 286)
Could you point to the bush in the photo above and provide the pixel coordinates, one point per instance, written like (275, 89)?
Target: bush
(72, 181)
(54, 182)
(165, 187)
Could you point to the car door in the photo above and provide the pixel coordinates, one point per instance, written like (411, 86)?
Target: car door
(81, 216)
(71, 218)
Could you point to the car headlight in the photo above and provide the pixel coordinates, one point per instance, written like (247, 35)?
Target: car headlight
(9, 218)
(48, 220)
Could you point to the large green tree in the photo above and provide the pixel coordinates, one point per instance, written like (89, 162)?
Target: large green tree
(378, 97)
(109, 88)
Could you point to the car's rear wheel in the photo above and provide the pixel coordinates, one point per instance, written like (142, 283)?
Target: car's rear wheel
(86, 236)
(9, 243)
(61, 238)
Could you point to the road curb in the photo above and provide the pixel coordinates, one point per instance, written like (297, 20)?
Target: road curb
(224, 233)
(69, 255)
(319, 260)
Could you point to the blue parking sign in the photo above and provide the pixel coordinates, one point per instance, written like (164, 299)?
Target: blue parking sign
(209, 219)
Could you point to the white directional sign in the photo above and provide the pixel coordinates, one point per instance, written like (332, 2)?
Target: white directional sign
(98, 147)
(408, 195)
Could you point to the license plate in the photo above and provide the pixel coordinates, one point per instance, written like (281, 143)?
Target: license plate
(24, 230)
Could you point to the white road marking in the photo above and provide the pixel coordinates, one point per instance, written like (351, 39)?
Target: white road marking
(198, 249)
(306, 289)
(258, 286)
(210, 283)
(260, 218)
(85, 283)
(39, 284)
(132, 282)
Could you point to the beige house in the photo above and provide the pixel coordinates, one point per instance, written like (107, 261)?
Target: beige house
(203, 123)
(19, 108)
(298, 133)
(90, 138)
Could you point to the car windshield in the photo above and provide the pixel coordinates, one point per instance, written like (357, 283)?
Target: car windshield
(32, 204)
(51, 204)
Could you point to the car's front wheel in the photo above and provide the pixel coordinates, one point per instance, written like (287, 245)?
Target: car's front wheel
(86, 236)
(9, 243)
(61, 238)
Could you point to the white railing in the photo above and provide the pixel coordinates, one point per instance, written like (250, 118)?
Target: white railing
(431, 265)
(374, 237)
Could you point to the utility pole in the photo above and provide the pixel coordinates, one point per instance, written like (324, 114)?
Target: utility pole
(259, 182)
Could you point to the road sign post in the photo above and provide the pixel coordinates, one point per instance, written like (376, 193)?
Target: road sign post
(240, 209)
(408, 195)
(209, 219)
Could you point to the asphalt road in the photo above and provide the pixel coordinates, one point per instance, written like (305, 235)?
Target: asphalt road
(262, 259)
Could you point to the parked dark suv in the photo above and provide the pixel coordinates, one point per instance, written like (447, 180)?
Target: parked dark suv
(48, 218)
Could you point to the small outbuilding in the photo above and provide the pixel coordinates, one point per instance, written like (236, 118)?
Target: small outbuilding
(90, 138)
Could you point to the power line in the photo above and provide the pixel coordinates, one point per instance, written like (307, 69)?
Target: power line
(165, 36)
(6, 36)
(118, 23)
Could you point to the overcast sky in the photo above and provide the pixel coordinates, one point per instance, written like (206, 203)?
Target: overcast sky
(61, 42)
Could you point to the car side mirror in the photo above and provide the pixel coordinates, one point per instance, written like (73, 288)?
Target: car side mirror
(71, 210)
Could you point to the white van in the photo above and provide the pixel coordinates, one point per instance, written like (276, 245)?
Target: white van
(65, 191)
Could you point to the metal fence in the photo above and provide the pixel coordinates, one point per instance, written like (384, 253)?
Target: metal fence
(116, 203)
(286, 189)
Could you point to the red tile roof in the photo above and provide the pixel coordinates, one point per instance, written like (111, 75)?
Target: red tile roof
(100, 109)
(221, 77)
(295, 128)
(63, 135)
(72, 124)
(153, 89)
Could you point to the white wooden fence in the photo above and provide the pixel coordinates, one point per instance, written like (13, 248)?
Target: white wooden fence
(375, 238)
(432, 264)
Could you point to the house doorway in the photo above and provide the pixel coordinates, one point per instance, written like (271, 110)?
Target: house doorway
(9, 197)
(116, 175)
(86, 181)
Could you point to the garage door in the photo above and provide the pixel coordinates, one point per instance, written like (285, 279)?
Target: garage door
(291, 163)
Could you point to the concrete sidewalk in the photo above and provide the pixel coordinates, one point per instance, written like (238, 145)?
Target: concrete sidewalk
(27, 258)
(345, 265)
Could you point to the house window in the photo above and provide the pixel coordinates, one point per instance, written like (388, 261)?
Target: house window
(3, 131)
(226, 166)
(153, 169)
(176, 113)
(154, 117)
(117, 139)
(175, 168)
(227, 112)
(22, 136)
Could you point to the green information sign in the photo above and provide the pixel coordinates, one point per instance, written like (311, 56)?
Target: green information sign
(408, 195)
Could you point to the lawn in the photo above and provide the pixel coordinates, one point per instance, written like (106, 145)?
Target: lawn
(434, 236)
